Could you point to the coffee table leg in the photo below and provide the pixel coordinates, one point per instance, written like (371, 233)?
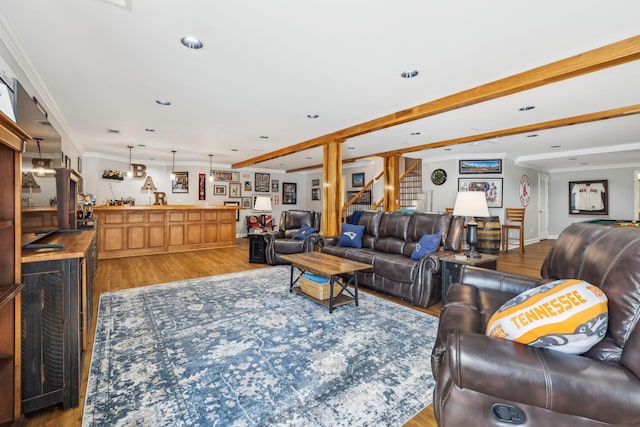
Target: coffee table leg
(291, 280)
(331, 285)
(355, 287)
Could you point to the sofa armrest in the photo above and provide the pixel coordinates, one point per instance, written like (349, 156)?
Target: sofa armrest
(490, 279)
(571, 384)
(323, 241)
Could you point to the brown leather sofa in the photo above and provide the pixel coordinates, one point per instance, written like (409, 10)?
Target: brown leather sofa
(388, 241)
(283, 241)
(493, 382)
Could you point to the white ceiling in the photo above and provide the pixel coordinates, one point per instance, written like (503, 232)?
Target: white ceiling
(265, 65)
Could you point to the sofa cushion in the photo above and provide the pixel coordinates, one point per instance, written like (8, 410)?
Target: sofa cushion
(428, 244)
(568, 315)
(288, 246)
(305, 231)
(351, 236)
(398, 268)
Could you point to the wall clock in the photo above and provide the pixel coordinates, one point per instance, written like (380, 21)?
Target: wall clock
(525, 190)
(438, 176)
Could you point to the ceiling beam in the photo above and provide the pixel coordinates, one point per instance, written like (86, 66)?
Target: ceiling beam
(617, 53)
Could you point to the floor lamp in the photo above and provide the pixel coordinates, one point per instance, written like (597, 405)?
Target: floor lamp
(472, 204)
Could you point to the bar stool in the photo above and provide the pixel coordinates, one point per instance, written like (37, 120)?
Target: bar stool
(513, 220)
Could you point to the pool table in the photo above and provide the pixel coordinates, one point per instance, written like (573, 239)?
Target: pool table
(615, 222)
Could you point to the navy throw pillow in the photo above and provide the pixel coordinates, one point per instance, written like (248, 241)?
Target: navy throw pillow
(305, 231)
(355, 217)
(351, 236)
(427, 244)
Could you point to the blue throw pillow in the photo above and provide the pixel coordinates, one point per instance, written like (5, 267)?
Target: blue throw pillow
(305, 231)
(351, 236)
(427, 244)
(355, 217)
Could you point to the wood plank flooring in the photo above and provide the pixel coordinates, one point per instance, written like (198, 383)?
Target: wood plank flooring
(123, 273)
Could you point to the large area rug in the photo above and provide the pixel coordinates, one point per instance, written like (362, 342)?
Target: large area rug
(241, 350)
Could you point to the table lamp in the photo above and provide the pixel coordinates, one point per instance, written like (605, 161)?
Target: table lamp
(472, 204)
(262, 204)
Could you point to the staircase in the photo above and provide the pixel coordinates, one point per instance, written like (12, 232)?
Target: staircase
(411, 186)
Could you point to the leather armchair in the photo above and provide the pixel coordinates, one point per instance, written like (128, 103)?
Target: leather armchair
(282, 241)
(487, 381)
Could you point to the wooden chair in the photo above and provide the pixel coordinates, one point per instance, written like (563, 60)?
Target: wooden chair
(513, 220)
(448, 210)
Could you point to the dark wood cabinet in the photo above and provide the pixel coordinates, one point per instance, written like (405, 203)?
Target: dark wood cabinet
(56, 315)
(257, 248)
(11, 142)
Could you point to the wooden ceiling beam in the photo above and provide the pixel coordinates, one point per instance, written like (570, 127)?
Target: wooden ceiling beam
(613, 54)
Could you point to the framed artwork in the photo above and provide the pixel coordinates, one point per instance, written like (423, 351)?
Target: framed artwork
(226, 176)
(275, 185)
(289, 193)
(357, 179)
(589, 197)
(315, 194)
(492, 187)
(247, 186)
(246, 203)
(219, 190)
(181, 183)
(202, 186)
(262, 182)
(315, 182)
(233, 203)
(79, 164)
(235, 190)
(480, 166)
(363, 199)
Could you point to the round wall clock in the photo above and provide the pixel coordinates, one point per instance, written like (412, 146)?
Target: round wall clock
(525, 190)
(438, 176)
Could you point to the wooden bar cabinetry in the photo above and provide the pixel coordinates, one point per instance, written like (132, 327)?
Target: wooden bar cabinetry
(56, 316)
(145, 230)
(11, 142)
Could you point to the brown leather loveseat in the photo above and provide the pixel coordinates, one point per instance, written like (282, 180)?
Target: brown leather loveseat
(494, 382)
(388, 241)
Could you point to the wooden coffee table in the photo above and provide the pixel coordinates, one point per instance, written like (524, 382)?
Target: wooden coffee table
(330, 266)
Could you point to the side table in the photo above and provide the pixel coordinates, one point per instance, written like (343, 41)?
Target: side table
(257, 248)
(451, 268)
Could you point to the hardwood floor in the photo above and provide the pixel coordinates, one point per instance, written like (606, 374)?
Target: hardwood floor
(123, 273)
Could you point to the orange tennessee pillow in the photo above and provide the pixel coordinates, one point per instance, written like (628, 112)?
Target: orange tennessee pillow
(569, 316)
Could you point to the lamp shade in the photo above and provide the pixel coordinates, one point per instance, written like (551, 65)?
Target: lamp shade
(263, 204)
(471, 203)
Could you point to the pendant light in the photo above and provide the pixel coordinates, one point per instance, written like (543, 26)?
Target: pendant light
(130, 171)
(173, 166)
(210, 168)
(40, 169)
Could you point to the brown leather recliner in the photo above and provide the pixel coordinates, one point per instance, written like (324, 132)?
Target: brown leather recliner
(493, 382)
(283, 241)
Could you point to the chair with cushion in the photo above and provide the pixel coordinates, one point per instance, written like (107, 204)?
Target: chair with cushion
(538, 379)
(297, 232)
(513, 220)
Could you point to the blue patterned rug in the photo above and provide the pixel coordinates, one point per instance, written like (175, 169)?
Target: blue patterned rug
(240, 350)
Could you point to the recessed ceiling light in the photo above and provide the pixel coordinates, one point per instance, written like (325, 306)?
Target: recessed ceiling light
(112, 130)
(312, 116)
(532, 135)
(409, 74)
(150, 130)
(572, 158)
(414, 133)
(448, 149)
(527, 108)
(584, 163)
(555, 146)
(234, 149)
(264, 137)
(351, 148)
(191, 42)
(163, 102)
(308, 158)
(142, 145)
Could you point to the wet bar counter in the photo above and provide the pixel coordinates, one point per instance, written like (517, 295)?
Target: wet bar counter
(146, 230)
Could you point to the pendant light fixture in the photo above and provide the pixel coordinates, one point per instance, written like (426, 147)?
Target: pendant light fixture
(173, 166)
(210, 168)
(40, 169)
(130, 171)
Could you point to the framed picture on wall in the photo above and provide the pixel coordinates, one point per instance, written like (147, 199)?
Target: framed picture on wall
(275, 186)
(589, 197)
(480, 166)
(492, 188)
(246, 203)
(357, 179)
(289, 193)
(181, 183)
(219, 190)
(315, 194)
(262, 182)
(235, 190)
